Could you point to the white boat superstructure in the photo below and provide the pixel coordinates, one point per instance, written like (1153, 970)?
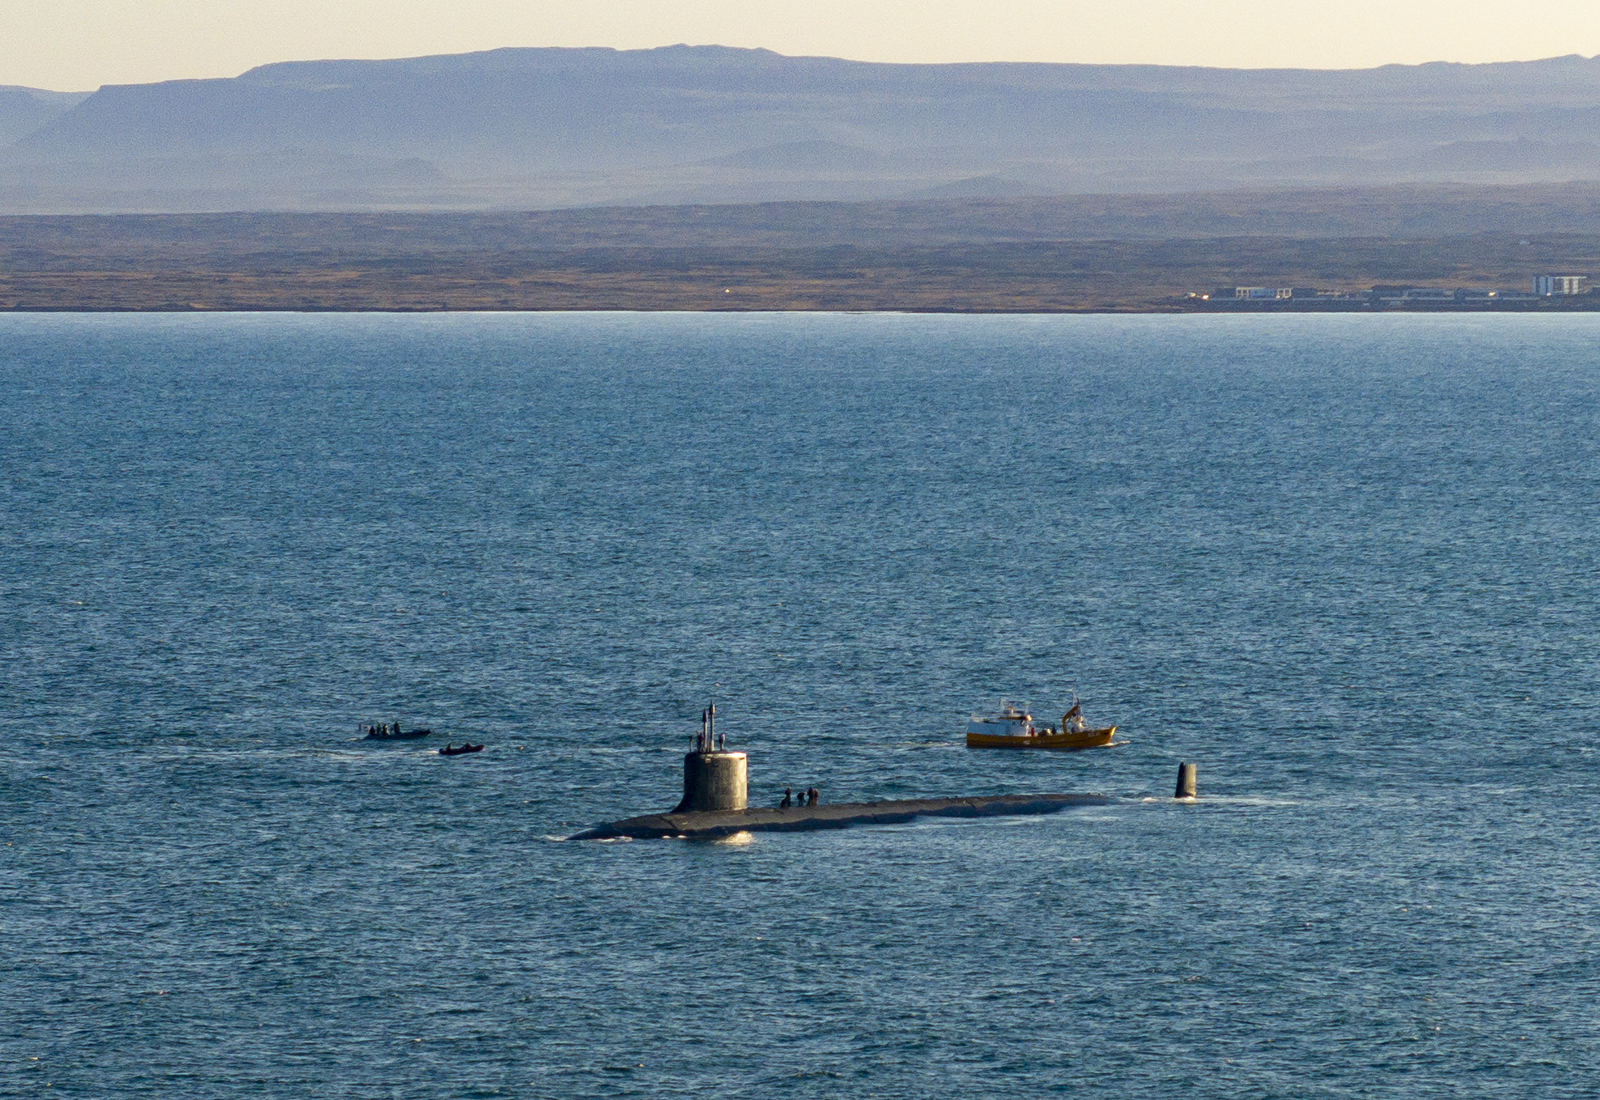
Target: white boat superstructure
(1009, 722)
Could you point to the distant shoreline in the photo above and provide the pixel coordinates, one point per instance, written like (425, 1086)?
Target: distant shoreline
(1176, 311)
(643, 292)
(746, 259)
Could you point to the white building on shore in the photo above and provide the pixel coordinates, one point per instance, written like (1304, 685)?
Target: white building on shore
(1559, 286)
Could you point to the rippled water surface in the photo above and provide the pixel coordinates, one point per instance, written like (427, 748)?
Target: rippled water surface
(1346, 564)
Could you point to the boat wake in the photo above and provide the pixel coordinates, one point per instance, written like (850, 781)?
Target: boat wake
(1222, 800)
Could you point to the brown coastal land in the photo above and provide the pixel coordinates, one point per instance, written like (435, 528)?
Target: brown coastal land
(1074, 254)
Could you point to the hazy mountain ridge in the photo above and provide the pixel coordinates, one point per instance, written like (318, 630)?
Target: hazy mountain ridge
(26, 110)
(541, 128)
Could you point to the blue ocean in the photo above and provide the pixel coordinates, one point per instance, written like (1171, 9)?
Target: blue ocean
(1347, 565)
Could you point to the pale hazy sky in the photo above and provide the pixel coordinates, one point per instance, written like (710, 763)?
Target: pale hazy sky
(81, 44)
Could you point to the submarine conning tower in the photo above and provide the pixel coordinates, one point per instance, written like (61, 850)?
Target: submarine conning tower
(713, 779)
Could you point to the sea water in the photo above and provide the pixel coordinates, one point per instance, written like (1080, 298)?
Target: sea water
(1346, 564)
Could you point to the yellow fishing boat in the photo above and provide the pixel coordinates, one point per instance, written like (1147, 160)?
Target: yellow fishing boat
(1014, 729)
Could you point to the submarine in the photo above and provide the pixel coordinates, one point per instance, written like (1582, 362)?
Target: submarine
(716, 803)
